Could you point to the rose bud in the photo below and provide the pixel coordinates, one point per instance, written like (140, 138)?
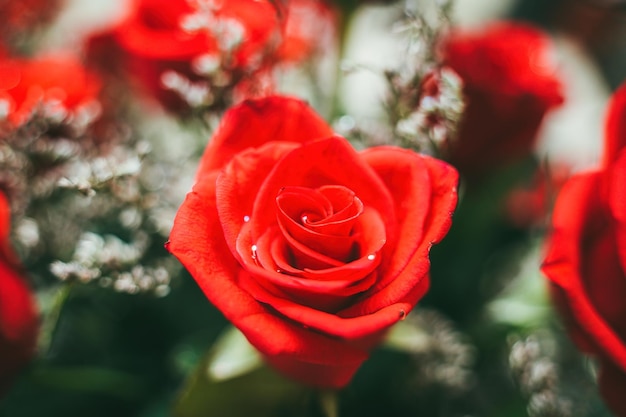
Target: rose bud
(510, 83)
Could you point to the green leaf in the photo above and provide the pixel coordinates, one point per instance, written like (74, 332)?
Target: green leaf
(329, 403)
(524, 303)
(232, 381)
(406, 337)
(232, 356)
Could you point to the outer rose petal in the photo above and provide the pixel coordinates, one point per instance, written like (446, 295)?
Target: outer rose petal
(238, 185)
(615, 128)
(352, 329)
(616, 201)
(576, 205)
(256, 122)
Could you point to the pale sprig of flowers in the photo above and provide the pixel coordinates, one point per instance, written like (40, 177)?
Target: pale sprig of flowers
(436, 118)
(442, 355)
(537, 374)
(88, 209)
(423, 121)
(414, 120)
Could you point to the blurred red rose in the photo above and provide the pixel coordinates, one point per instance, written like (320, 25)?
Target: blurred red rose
(586, 259)
(18, 315)
(312, 249)
(510, 82)
(166, 45)
(56, 84)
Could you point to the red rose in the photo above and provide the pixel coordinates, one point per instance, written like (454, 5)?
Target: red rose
(586, 259)
(18, 315)
(57, 84)
(312, 249)
(509, 85)
(161, 37)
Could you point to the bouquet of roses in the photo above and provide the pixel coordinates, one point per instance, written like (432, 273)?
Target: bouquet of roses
(194, 221)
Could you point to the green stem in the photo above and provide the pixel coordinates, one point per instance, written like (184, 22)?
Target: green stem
(51, 322)
(343, 27)
(329, 403)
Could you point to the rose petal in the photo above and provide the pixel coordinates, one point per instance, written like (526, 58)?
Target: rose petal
(575, 205)
(260, 121)
(5, 227)
(310, 253)
(237, 186)
(617, 205)
(615, 127)
(297, 202)
(346, 207)
(331, 363)
(360, 266)
(601, 259)
(350, 328)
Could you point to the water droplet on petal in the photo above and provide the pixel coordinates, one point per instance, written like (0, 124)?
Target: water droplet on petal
(254, 249)
(371, 257)
(246, 219)
(402, 314)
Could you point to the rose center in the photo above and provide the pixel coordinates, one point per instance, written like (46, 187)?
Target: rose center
(321, 220)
